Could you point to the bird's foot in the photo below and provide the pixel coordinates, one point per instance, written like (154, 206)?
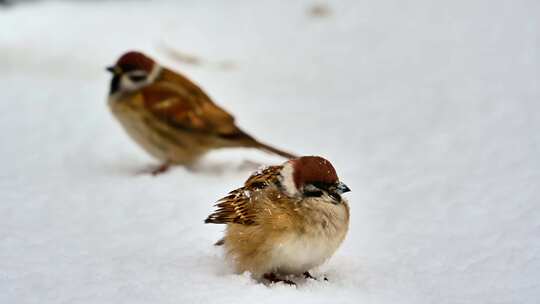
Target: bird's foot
(154, 170)
(308, 275)
(272, 278)
(161, 169)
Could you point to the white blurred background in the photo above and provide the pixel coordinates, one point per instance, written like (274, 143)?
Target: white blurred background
(428, 109)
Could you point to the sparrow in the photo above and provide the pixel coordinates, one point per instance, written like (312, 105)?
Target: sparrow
(285, 220)
(169, 116)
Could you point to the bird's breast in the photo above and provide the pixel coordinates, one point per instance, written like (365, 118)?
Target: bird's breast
(302, 249)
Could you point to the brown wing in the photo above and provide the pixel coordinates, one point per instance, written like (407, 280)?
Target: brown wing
(187, 107)
(240, 205)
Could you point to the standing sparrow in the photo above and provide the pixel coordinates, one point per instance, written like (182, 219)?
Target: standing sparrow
(169, 116)
(285, 220)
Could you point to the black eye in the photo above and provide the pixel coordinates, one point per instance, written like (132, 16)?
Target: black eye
(137, 78)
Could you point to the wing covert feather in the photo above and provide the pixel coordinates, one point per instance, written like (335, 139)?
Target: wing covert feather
(240, 206)
(184, 109)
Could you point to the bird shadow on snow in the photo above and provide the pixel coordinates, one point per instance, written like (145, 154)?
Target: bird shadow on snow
(212, 262)
(223, 271)
(205, 166)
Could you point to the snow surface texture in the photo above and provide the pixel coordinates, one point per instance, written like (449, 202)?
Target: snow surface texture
(429, 112)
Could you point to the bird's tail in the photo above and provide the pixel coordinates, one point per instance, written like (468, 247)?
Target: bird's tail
(250, 142)
(274, 150)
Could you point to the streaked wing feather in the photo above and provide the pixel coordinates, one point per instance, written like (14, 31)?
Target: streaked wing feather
(183, 109)
(238, 206)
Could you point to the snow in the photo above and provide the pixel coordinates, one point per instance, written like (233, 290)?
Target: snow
(428, 110)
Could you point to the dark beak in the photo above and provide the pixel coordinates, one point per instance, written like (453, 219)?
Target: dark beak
(114, 69)
(342, 188)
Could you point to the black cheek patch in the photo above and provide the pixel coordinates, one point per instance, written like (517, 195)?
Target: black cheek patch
(313, 194)
(336, 198)
(115, 84)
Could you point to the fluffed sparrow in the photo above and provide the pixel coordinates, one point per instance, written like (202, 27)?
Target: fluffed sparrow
(285, 220)
(169, 116)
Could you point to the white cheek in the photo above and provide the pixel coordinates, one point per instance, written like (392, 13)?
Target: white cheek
(127, 85)
(287, 181)
(156, 70)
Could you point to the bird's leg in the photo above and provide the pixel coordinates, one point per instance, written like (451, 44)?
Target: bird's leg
(161, 169)
(221, 242)
(274, 279)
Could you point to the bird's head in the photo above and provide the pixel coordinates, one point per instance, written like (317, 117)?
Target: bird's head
(132, 71)
(311, 176)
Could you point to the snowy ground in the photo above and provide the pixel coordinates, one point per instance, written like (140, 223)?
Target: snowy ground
(430, 113)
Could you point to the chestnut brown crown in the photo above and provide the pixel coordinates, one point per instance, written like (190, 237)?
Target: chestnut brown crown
(133, 60)
(313, 169)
